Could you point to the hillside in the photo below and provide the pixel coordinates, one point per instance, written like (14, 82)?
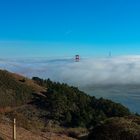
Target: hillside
(24, 134)
(61, 109)
(16, 90)
(68, 102)
(124, 128)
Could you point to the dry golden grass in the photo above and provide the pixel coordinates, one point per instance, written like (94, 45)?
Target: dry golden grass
(23, 134)
(28, 82)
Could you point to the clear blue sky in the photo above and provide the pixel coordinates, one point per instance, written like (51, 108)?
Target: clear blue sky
(35, 28)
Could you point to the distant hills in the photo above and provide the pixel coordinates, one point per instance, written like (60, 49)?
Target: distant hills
(42, 105)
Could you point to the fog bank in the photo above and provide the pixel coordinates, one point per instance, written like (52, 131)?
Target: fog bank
(87, 72)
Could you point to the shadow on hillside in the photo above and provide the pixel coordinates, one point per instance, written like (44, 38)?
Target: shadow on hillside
(83, 137)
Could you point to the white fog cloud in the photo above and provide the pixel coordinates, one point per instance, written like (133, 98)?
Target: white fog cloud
(115, 70)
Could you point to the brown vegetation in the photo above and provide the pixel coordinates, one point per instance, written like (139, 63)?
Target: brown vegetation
(23, 134)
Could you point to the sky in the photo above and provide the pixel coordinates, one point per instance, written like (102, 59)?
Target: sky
(63, 28)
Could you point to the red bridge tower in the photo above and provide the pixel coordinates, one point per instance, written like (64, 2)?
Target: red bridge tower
(77, 58)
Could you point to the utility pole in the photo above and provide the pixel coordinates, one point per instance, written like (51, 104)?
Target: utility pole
(14, 129)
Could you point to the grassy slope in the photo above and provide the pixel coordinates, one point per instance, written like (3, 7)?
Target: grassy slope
(123, 128)
(23, 134)
(15, 89)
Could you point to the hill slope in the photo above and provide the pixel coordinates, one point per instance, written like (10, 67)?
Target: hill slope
(59, 108)
(66, 106)
(24, 134)
(124, 128)
(15, 90)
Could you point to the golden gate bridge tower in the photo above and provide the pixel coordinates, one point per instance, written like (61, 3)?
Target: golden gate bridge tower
(77, 58)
